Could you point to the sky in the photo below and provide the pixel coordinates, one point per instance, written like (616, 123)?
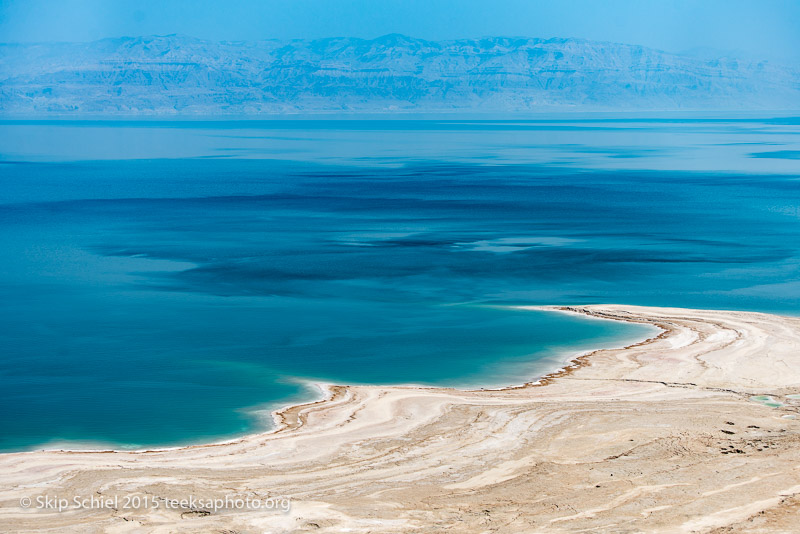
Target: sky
(759, 28)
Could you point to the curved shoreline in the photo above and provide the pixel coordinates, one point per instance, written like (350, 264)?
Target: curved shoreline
(286, 418)
(662, 435)
(285, 415)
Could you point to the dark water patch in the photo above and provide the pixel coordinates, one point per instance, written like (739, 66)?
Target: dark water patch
(777, 154)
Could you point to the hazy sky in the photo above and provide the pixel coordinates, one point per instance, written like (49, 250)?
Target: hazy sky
(767, 28)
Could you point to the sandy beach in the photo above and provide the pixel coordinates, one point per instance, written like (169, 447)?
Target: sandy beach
(693, 430)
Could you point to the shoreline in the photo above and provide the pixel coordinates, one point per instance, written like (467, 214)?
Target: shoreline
(667, 434)
(329, 390)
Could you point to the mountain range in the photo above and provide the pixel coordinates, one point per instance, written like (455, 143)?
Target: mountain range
(180, 75)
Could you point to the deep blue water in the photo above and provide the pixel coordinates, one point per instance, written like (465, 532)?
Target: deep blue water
(166, 283)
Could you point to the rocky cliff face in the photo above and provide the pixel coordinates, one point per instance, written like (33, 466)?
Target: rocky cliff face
(182, 75)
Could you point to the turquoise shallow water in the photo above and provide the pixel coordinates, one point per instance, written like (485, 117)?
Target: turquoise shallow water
(166, 285)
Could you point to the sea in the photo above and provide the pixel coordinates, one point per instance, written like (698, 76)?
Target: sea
(167, 282)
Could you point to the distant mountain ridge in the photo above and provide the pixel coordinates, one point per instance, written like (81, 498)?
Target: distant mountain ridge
(179, 75)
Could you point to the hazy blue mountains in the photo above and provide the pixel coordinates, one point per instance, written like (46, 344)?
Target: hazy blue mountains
(174, 74)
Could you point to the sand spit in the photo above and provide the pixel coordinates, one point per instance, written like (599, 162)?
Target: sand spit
(669, 435)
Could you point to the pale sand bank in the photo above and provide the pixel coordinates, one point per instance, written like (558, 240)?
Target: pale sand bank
(663, 436)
